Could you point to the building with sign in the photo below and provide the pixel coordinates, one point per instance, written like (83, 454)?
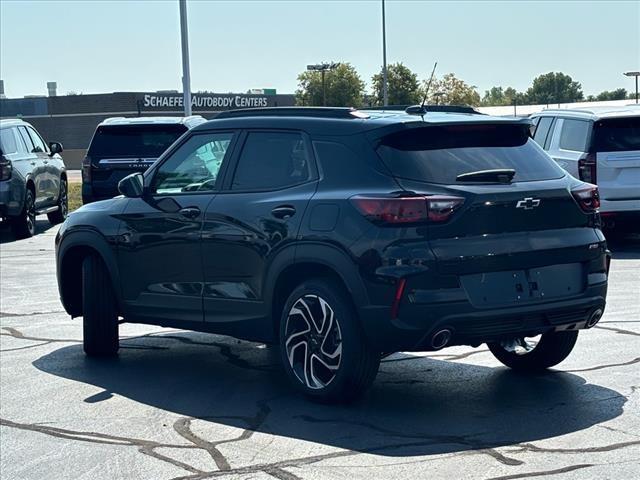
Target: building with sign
(72, 119)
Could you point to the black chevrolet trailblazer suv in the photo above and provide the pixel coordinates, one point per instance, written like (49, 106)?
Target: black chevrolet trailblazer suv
(342, 236)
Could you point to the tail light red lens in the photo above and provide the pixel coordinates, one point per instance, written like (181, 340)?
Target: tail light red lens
(587, 169)
(86, 169)
(588, 197)
(406, 210)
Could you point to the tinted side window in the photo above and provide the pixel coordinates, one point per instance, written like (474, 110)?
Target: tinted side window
(542, 130)
(8, 141)
(272, 160)
(194, 166)
(574, 135)
(26, 139)
(39, 145)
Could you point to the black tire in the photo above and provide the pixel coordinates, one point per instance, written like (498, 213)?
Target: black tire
(24, 226)
(552, 349)
(347, 374)
(60, 215)
(100, 317)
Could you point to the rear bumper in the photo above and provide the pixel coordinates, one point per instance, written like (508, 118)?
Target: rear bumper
(619, 206)
(95, 193)
(416, 325)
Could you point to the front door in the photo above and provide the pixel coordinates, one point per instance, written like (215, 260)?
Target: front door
(160, 257)
(253, 219)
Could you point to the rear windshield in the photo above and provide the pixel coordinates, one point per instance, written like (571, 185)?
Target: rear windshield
(617, 134)
(144, 141)
(438, 154)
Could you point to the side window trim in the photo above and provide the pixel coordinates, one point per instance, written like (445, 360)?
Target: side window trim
(234, 161)
(35, 135)
(151, 174)
(552, 127)
(25, 136)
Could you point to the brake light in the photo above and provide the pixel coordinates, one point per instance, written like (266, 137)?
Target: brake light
(5, 168)
(86, 169)
(406, 210)
(588, 197)
(587, 168)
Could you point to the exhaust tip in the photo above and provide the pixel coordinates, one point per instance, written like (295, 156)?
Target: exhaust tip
(441, 338)
(595, 316)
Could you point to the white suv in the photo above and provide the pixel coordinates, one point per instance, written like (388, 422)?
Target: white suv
(600, 145)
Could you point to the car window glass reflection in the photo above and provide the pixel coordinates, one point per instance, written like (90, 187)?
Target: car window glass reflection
(194, 166)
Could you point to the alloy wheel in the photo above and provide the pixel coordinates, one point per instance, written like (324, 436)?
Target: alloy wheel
(64, 200)
(313, 341)
(31, 215)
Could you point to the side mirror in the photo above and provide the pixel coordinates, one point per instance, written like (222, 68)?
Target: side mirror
(55, 147)
(132, 186)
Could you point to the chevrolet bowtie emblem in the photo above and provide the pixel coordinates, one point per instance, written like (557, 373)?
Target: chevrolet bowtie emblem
(528, 203)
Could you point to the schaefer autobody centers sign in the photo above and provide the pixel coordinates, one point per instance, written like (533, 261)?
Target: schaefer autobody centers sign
(214, 101)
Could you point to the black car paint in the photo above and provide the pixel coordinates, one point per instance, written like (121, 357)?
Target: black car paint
(218, 272)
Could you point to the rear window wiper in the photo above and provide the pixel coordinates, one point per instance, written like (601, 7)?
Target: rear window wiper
(498, 175)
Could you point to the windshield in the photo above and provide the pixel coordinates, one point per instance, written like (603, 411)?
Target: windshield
(144, 141)
(439, 154)
(617, 134)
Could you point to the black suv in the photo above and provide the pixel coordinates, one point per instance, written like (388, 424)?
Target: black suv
(33, 178)
(343, 236)
(122, 145)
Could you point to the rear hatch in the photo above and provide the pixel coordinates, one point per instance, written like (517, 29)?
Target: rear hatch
(518, 230)
(118, 150)
(616, 142)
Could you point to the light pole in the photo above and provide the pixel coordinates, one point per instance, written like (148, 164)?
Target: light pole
(186, 75)
(385, 93)
(322, 68)
(634, 74)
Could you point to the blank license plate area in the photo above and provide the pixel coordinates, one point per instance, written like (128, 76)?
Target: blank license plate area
(524, 286)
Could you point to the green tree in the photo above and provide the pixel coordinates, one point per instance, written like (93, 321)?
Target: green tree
(344, 87)
(403, 87)
(617, 94)
(451, 90)
(554, 87)
(497, 97)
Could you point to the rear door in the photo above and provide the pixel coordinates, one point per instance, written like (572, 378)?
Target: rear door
(517, 229)
(257, 215)
(617, 143)
(569, 143)
(118, 150)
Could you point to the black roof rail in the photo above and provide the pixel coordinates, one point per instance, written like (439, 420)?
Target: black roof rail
(421, 110)
(317, 112)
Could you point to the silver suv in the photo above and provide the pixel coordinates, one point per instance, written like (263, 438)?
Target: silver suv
(600, 145)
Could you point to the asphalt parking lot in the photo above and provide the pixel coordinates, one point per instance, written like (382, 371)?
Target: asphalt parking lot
(177, 404)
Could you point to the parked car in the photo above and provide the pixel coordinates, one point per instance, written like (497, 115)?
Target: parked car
(600, 145)
(122, 145)
(343, 236)
(33, 178)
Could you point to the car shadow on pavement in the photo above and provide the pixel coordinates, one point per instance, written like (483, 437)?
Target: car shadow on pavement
(417, 405)
(7, 236)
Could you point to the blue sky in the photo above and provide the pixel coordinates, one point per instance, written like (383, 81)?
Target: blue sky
(106, 46)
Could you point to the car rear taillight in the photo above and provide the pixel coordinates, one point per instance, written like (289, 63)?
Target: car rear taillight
(587, 196)
(5, 168)
(406, 210)
(587, 168)
(86, 169)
